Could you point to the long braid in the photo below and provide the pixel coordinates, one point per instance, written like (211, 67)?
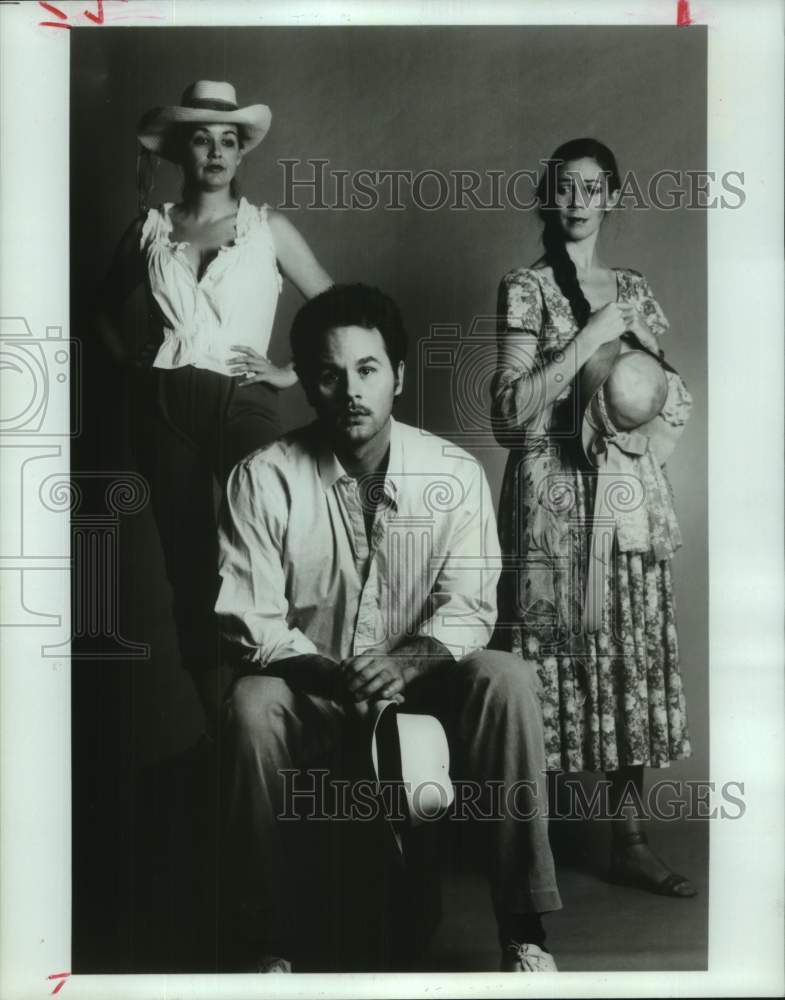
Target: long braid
(564, 270)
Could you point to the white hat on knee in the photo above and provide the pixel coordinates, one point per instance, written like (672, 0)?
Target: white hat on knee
(412, 750)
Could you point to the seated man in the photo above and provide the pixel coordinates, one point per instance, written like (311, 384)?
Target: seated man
(359, 561)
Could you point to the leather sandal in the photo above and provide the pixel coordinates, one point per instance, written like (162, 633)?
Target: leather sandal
(673, 884)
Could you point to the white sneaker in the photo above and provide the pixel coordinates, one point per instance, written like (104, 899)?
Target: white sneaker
(271, 963)
(526, 958)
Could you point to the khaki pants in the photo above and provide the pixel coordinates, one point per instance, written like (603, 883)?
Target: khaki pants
(489, 706)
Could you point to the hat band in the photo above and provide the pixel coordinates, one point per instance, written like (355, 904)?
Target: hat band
(608, 425)
(210, 104)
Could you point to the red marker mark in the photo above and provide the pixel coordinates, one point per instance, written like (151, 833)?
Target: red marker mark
(62, 976)
(53, 10)
(99, 17)
(683, 14)
(96, 18)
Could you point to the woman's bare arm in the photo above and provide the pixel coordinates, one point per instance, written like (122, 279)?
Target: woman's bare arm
(299, 264)
(296, 259)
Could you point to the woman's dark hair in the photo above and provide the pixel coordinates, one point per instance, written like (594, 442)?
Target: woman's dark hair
(146, 166)
(345, 305)
(552, 236)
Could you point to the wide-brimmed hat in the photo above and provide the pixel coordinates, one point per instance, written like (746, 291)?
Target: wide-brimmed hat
(204, 102)
(411, 751)
(634, 408)
(624, 393)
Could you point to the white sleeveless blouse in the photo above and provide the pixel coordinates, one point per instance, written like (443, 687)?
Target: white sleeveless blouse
(234, 302)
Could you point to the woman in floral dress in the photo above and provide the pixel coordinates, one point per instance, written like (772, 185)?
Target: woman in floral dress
(612, 697)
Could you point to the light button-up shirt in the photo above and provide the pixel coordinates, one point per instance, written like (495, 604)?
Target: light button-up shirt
(299, 576)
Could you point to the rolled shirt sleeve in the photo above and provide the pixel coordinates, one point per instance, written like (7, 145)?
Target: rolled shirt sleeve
(252, 607)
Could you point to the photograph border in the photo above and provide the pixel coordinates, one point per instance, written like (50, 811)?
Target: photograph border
(745, 318)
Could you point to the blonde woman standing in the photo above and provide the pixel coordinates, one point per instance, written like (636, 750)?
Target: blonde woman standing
(204, 391)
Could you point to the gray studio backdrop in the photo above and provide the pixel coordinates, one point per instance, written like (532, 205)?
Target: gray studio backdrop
(442, 99)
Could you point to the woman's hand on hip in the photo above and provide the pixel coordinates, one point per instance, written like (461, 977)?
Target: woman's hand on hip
(252, 367)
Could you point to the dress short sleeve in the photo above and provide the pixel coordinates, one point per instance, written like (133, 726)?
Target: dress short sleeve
(519, 323)
(650, 308)
(520, 302)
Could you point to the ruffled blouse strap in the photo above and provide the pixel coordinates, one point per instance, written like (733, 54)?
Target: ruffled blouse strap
(157, 226)
(253, 225)
(250, 219)
(246, 219)
(149, 228)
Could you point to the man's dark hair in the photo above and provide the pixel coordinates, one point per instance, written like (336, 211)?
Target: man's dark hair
(346, 305)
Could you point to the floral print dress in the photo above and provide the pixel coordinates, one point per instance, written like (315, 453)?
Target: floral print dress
(613, 697)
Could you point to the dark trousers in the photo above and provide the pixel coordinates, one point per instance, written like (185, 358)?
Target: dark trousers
(190, 426)
(487, 702)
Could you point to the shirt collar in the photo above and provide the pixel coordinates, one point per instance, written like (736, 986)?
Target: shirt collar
(331, 470)
(395, 471)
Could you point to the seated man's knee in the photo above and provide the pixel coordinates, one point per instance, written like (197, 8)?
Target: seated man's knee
(257, 703)
(504, 673)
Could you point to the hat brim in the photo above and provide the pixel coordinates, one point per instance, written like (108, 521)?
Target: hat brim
(663, 436)
(412, 749)
(154, 129)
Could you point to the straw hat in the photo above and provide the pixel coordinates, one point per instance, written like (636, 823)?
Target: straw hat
(635, 407)
(413, 750)
(204, 102)
(624, 390)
